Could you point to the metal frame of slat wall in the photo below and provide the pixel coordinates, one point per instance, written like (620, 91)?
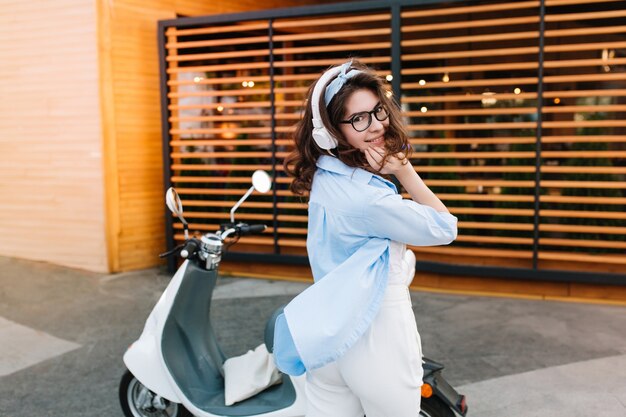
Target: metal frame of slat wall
(513, 107)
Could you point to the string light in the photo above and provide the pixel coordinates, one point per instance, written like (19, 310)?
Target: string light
(445, 78)
(250, 84)
(517, 90)
(389, 77)
(245, 83)
(557, 100)
(607, 55)
(489, 98)
(228, 130)
(197, 79)
(424, 109)
(422, 82)
(220, 108)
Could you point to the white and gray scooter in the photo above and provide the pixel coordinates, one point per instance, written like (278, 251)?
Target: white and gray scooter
(175, 368)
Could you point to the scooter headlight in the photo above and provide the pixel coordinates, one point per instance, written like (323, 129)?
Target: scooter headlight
(211, 243)
(211, 250)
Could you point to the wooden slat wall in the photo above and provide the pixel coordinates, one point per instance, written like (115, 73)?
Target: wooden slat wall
(131, 111)
(455, 62)
(50, 141)
(583, 203)
(470, 94)
(470, 88)
(211, 130)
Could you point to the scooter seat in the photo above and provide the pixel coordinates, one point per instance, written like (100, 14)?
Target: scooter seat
(269, 328)
(431, 365)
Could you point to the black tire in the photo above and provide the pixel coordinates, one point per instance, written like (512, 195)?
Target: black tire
(435, 407)
(129, 388)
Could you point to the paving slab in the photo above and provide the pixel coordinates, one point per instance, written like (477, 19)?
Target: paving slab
(22, 347)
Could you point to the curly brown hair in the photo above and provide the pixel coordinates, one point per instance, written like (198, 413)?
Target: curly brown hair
(301, 162)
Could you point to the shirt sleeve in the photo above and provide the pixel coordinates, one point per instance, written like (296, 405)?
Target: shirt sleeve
(285, 354)
(390, 216)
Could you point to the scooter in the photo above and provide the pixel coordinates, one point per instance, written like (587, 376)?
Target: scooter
(175, 368)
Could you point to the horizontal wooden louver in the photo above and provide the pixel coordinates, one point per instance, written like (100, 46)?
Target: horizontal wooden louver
(584, 172)
(470, 91)
(220, 122)
(525, 144)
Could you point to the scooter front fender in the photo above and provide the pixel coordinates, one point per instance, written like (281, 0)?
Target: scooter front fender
(143, 358)
(143, 361)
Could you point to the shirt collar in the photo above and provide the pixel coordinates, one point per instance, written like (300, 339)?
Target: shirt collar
(333, 164)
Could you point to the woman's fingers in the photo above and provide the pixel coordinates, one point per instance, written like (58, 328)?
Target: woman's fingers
(374, 154)
(372, 159)
(380, 151)
(369, 157)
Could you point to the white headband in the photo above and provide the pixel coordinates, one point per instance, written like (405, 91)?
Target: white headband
(334, 87)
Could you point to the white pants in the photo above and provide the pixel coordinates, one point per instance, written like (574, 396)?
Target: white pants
(381, 375)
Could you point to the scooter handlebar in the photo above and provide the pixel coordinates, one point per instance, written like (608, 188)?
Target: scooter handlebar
(251, 229)
(189, 248)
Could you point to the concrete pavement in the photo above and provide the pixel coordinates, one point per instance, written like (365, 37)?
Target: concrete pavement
(63, 333)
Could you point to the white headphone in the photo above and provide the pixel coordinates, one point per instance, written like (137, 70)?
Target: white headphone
(321, 135)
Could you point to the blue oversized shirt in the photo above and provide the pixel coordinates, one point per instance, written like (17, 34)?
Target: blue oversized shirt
(353, 215)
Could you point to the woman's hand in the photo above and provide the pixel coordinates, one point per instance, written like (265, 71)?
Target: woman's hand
(394, 165)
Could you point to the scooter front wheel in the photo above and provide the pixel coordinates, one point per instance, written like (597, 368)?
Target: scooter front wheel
(138, 401)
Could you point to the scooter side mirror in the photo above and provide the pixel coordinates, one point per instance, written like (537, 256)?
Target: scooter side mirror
(172, 199)
(261, 181)
(173, 202)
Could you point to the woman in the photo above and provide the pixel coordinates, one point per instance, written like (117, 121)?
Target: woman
(353, 332)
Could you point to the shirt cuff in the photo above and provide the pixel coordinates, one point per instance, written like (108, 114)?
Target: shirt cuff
(286, 355)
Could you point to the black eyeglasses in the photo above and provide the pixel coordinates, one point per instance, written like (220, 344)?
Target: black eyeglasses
(362, 120)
